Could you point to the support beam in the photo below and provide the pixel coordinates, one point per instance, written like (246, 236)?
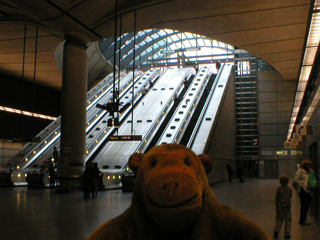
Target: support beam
(73, 114)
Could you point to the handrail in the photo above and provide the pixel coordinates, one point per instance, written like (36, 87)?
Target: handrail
(187, 117)
(204, 109)
(142, 146)
(34, 151)
(105, 133)
(191, 105)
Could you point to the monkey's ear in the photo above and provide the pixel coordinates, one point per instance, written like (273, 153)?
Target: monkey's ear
(206, 162)
(135, 160)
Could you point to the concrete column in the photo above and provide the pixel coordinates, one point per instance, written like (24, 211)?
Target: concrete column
(73, 114)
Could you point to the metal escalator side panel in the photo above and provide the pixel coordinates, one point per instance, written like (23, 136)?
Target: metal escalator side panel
(209, 120)
(185, 108)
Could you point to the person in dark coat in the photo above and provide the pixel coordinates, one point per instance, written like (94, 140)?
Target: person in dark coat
(96, 179)
(230, 172)
(55, 155)
(88, 180)
(52, 175)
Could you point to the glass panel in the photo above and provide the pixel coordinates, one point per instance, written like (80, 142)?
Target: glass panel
(243, 67)
(175, 37)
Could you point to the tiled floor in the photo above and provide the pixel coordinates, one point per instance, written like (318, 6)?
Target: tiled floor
(42, 214)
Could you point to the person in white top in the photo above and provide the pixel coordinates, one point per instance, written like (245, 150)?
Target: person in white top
(305, 194)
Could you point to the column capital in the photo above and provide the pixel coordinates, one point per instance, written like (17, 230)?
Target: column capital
(76, 42)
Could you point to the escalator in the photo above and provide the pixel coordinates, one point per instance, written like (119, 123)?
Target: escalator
(49, 138)
(164, 124)
(200, 140)
(148, 116)
(193, 121)
(181, 117)
(32, 157)
(99, 130)
(91, 157)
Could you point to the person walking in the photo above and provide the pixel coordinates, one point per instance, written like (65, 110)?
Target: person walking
(55, 155)
(96, 179)
(305, 193)
(283, 207)
(52, 175)
(230, 172)
(88, 179)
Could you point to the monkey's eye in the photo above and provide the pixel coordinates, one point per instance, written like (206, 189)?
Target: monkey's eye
(154, 163)
(187, 161)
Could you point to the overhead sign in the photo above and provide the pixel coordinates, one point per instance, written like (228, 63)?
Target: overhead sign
(282, 152)
(287, 144)
(267, 153)
(297, 143)
(125, 138)
(294, 152)
(301, 130)
(290, 144)
(296, 138)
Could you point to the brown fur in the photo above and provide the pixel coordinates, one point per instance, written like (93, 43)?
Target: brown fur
(173, 200)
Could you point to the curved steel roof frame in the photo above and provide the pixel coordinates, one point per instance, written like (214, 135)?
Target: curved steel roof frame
(150, 43)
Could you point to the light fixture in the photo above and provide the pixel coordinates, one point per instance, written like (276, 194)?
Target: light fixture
(307, 64)
(26, 113)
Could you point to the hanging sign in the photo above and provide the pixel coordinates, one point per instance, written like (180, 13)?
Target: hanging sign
(125, 138)
(301, 130)
(296, 138)
(290, 144)
(267, 153)
(294, 152)
(281, 152)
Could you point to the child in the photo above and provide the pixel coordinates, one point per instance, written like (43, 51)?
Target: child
(283, 207)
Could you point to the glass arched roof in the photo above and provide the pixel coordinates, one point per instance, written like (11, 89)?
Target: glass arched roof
(163, 47)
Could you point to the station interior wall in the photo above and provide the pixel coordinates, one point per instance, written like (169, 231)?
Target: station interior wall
(27, 96)
(275, 98)
(8, 149)
(222, 144)
(312, 148)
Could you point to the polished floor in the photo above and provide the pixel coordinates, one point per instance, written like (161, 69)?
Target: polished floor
(42, 214)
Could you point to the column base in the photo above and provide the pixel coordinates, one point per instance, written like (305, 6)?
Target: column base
(67, 185)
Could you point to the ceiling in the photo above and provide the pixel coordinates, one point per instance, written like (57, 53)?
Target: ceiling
(273, 30)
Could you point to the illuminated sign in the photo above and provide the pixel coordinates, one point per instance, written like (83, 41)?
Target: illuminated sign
(296, 152)
(290, 144)
(125, 138)
(282, 152)
(267, 153)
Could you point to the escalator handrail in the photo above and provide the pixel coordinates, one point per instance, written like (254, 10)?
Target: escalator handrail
(123, 115)
(143, 145)
(204, 109)
(183, 121)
